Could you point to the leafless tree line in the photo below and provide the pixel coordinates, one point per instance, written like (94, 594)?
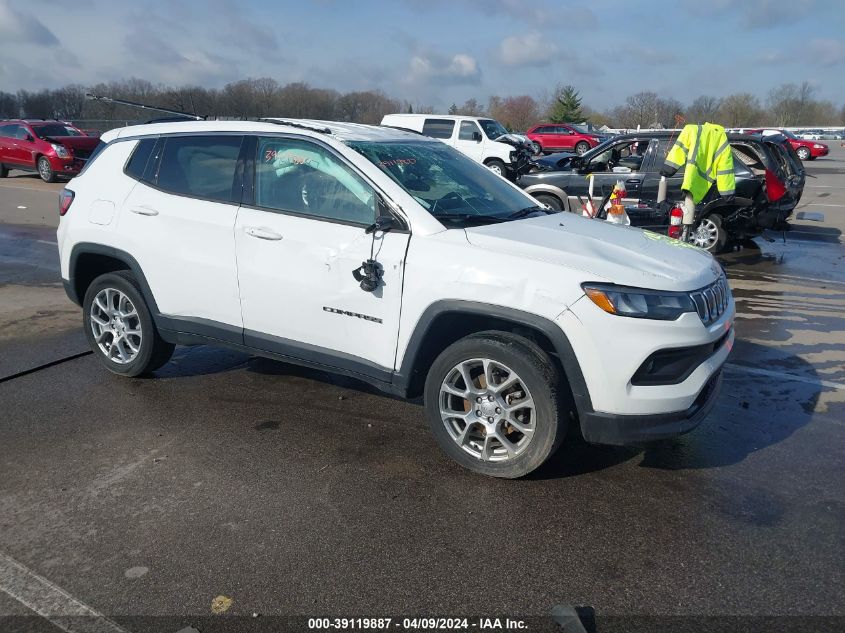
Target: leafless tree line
(786, 105)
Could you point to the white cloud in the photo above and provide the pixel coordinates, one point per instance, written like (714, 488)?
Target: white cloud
(25, 28)
(529, 49)
(460, 68)
(826, 51)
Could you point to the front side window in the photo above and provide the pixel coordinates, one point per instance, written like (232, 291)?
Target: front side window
(200, 166)
(455, 189)
(304, 178)
(438, 128)
(620, 157)
(468, 128)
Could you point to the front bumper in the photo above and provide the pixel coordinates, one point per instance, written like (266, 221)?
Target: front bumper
(609, 428)
(816, 152)
(68, 166)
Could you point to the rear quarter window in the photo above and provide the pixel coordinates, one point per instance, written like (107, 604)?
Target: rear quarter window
(438, 128)
(137, 163)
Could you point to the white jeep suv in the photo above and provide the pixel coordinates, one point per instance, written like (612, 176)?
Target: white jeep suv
(393, 258)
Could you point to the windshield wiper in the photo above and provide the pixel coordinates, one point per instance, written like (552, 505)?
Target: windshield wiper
(528, 211)
(469, 217)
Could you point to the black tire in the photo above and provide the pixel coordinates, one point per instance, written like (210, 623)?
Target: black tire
(549, 199)
(497, 166)
(4, 171)
(721, 239)
(536, 148)
(582, 148)
(153, 352)
(541, 379)
(803, 153)
(45, 170)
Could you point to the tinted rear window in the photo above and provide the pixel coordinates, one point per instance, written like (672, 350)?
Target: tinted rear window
(438, 128)
(200, 166)
(138, 161)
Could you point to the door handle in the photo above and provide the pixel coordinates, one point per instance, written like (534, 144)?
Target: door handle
(634, 181)
(262, 233)
(144, 211)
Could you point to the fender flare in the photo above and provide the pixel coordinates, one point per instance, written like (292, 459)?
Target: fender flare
(90, 248)
(568, 360)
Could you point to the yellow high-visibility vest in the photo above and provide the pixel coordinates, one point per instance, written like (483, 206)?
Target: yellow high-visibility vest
(705, 153)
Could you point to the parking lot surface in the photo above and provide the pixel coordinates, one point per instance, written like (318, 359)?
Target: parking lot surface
(290, 492)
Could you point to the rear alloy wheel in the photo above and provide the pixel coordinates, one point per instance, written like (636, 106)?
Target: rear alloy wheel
(582, 148)
(119, 327)
(45, 170)
(710, 235)
(803, 153)
(497, 167)
(491, 401)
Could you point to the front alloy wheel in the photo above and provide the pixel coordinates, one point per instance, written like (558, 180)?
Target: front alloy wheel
(803, 153)
(492, 401)
(45, 171)
(487, 410)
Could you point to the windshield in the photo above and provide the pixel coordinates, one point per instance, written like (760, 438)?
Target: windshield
(452, 187)
(580, 129)
(493, 129)
(55, 129)
(788, 134)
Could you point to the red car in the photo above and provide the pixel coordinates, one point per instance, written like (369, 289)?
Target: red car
(51, 148)
(806, 150)
(556, 137)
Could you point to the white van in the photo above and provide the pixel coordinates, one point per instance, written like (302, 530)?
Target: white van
(481, 138)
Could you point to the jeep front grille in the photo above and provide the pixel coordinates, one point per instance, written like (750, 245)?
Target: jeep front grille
(712, 301)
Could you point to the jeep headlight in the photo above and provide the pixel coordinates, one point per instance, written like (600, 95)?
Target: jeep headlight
(639, 302)
(61, 150)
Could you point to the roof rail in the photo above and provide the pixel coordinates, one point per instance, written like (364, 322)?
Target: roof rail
(321, 130)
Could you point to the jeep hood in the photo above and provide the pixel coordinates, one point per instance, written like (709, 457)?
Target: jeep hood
(602, 251)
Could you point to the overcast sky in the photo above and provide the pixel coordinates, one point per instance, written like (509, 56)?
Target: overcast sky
(433, 51)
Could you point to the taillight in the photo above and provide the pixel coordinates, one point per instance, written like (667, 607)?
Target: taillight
(676, 218)
(65, 198)
(775, 189)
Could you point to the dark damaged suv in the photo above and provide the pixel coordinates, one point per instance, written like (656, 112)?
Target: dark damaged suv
(769, 183)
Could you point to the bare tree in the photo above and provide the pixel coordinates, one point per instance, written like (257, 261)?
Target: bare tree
(471, 107)
(703, 109)
(68, 102)
(640, 110)
(740, 110)
(516, 113)
(36, 105)
(9, 107)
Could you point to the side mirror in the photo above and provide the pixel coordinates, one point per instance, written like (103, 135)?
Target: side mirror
(476, 136)
(383, 223)
(28, 137)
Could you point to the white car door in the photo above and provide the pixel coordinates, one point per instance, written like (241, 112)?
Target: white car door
(178, 221)
(298, 243)
(470, 140)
